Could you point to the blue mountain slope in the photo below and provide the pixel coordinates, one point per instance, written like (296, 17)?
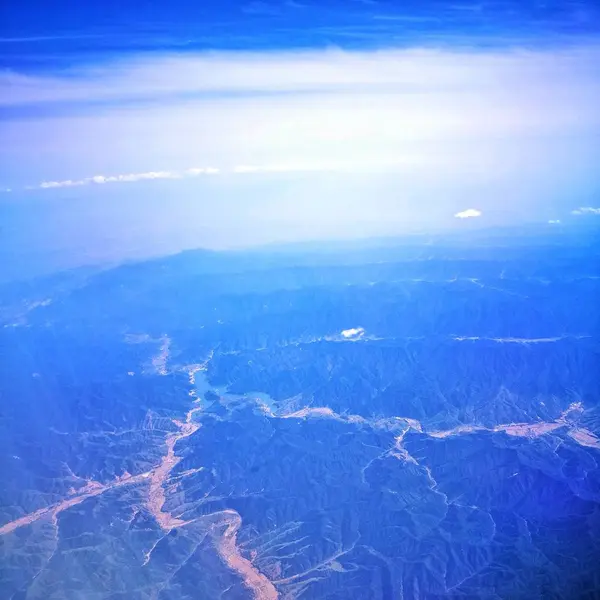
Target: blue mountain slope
(416, 420)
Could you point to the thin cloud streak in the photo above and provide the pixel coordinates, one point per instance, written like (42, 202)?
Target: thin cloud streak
(236, 170)
(586, 210)
(126, 178)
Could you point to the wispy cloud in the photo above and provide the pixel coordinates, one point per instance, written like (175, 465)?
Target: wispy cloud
(283, 168)
(469, 213)
(586, 210)
(258, 7)
(399, 70)
(47, 38)
(235, 170)
(127, 178)
(397, 136)
(61, 184)
(261, 8)
(407, 18)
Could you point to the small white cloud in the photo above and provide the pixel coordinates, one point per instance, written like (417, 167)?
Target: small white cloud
(469, 213)
(586, 210)
(353, 333)
(554, 221)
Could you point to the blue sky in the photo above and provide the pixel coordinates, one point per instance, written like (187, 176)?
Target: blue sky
(227, 124)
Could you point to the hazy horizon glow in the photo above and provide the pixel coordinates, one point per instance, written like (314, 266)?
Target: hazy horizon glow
(233, 148)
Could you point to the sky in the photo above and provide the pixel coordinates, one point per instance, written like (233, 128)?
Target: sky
(140, 130)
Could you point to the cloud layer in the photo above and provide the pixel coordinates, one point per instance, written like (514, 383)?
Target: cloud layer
(359, 140)
(400, 71)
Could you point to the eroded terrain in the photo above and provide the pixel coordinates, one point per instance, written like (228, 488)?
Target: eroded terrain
(398, 429)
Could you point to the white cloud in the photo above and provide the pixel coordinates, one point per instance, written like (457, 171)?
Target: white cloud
(469, 213)
(127, 177)
(139, 176)
(354, 333)
(60, 184)
(586, 210)
(554, 221)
